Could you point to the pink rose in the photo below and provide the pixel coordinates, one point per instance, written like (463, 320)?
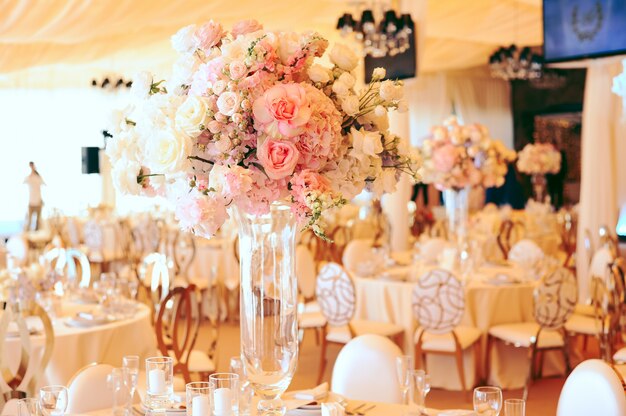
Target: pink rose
(278, 157)
(208, 35)
(246, 26)
(237, 69)
(283, 110)
(444, 157)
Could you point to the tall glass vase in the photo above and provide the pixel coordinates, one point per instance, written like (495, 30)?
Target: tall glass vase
(269, 326)
(456, 203)
(538, 181)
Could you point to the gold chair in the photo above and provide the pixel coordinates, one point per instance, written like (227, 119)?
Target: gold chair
(554, 302)
(510, 232)
(20, 386)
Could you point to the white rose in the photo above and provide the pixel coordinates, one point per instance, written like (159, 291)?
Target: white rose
(379, 73)
(142, 83)
(228, 103)
(124, 174)
(387, 90)
(318, 73)
(348, 79)
(123, 145)
(340, 89)
(350, 105)
(183, 40)
(166, 152)
(218, 86)
(182, 72)
(191, 117)
(288, 45)
(343, 57)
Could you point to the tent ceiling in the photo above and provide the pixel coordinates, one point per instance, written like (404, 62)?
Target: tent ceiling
(52, 42)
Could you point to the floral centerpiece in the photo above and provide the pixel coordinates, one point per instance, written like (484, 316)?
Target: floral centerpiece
(250, 121)
(457, 157)
(537, 160)
(248, 118)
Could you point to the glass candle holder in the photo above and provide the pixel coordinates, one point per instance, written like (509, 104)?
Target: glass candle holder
(198, 398)
(224, 388)
(159, 382)
(53, 400)
(27, 407)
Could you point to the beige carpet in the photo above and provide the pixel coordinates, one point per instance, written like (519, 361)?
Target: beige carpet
(543, 397)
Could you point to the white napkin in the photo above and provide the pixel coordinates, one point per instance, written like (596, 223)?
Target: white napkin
(316, 393)
(332, 409)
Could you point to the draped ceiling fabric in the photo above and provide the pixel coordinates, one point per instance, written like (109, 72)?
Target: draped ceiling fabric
(62, 43)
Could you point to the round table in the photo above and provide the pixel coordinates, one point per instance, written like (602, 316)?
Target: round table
(486, 304)
(76, 347)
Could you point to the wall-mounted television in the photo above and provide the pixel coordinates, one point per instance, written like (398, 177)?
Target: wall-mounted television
(577, 29)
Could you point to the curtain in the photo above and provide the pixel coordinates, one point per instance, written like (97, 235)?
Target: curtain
(603, 180)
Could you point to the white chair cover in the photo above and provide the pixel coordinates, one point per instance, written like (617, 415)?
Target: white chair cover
(527, 254)
(431, 249)
(358, 253)
(600, 264)
(377, 380)
(88, 389)
(305, 271)
(593, 388)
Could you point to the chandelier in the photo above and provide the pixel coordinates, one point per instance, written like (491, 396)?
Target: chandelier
(514, 64)
(549, 80)
(388, 37)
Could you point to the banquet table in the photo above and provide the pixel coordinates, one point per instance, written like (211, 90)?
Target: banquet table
(76, 347)
(388, 299)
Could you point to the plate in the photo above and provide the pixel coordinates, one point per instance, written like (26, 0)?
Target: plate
(314, 408)
(82, 321)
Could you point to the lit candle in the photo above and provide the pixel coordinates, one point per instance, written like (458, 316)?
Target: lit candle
(222, 399)
(200, 405)
(156, 381)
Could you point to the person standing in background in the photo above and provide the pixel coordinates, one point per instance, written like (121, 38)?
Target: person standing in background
(34, 182)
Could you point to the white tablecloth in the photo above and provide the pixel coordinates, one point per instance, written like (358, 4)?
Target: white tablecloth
(75, 348)
(486, 305)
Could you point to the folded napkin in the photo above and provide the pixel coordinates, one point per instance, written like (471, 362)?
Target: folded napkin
(316, 393)
(332, 409)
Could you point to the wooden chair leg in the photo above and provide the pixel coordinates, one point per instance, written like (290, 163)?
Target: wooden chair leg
(541, 355)
(461, 369)
(532, 350)
(488, 348)
(318, 336)
(322, 358)
(585, 340)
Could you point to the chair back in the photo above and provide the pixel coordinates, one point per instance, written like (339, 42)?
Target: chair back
(509, 233)
(432, 248)
(377, 380)
(526, 253)
(88, 389)
(555, 299)
(305, 272)
(93, 236)
(588, 244)
(607, 239)
(568, 237)
(593, 388)
(71, 262)
(183, 251)
(439, 229)
(340, 236)
(438, 301)
(335, 294)
(359, 257)
(177, 327)
(601, 263)
(19, 385)
(154, 275)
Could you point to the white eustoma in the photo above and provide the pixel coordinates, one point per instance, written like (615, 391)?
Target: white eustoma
(387, 90)
(348, 79)
(191, 116)
(183, 40)
(366, 142)
(142, 83)
(340, 89)
(318, 73)
(385, 182)
(379, 73)
(288, 45)
(350, 104)
(344, 57)
(124, 174)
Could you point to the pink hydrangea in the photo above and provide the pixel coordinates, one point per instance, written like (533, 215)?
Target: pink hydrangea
(204, 214)
(445, 157)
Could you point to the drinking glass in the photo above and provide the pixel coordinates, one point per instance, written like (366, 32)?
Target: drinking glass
(245, 391)
(422, 386)
(224, 391)
(488, 401)
(27, 407)
(404, 368)
(130, 364)
(159, 382)
(133, 288)
(53, 400)
(197, 398)
(121, 393)
(514, 407)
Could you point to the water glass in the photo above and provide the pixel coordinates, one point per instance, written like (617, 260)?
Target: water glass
(245, 391)
(224, 391)
(422, 386)
(159, 382)
(404, 368)
(121, 393)
(488, 401)
(514, 407)
(198, 398)
(130, 365)
(53, 400)
(27, 407)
